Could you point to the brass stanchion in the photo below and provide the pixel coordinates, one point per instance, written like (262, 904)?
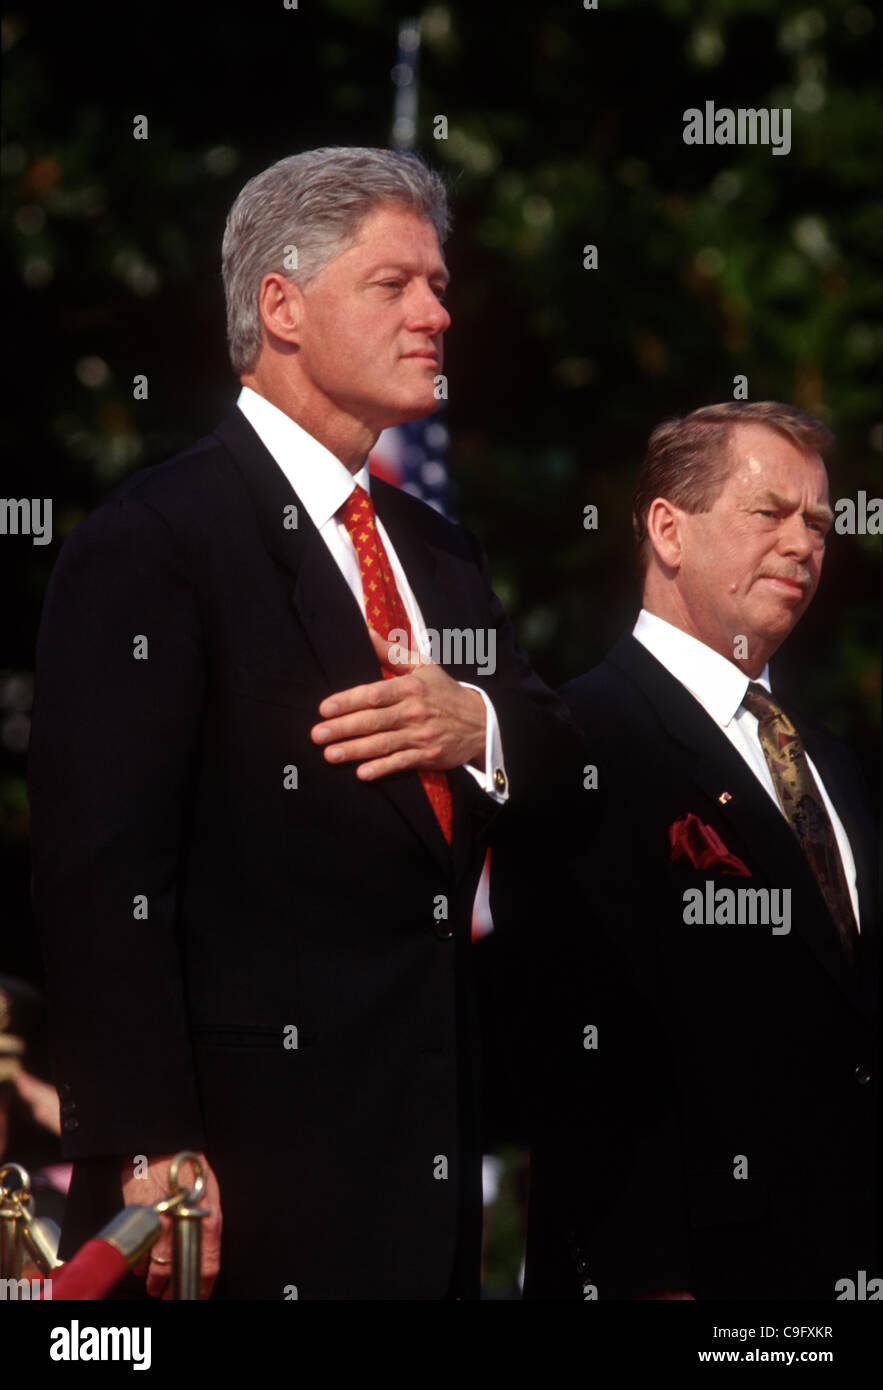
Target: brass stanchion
(11, 1220)
(186, 1227)
(40, 1236)
(132, 1232)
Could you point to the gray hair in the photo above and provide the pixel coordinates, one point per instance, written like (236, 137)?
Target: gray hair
(312, 204)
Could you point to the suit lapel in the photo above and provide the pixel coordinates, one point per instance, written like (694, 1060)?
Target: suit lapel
(328, 612)
(435, 576)
(850, 803)
(437, 586)
(717, 768)
(420, 559)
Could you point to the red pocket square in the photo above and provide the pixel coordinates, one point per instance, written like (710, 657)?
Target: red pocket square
(702, 847)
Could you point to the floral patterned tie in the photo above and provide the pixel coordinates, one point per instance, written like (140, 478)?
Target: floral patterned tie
(801, 800)
(385, 611)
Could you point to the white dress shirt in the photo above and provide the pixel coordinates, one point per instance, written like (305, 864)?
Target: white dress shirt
(323, 485)
(720, 688)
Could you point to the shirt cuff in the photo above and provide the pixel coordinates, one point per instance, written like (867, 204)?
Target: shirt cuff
(492, 777)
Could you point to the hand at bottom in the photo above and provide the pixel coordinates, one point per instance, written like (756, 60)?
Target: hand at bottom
(149, 1188)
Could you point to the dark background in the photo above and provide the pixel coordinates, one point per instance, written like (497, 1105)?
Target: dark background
(565, 128)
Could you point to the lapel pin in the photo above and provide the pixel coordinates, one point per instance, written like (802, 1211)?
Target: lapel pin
(725, 797)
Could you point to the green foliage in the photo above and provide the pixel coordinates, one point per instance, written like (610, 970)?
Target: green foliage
(565, 129)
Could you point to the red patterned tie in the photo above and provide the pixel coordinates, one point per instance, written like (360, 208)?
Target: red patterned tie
(385, 611)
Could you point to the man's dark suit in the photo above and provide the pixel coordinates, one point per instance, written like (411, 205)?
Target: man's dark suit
(266, 907)
(713, 1041)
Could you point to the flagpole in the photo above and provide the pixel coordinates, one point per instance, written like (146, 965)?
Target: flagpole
(404, 76)
(412, 455)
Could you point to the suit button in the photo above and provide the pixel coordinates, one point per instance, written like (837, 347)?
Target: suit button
(70, 1125)
(862, 1074)
(68, 1107)
(443, 930)
(64, 1089)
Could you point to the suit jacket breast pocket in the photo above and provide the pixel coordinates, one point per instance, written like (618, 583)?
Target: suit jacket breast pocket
(281, 1039)
(274, 688)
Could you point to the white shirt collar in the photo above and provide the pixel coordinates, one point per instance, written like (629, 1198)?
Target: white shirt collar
(717, 683)
(320, 480)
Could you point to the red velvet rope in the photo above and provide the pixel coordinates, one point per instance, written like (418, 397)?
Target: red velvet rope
(91, 1273)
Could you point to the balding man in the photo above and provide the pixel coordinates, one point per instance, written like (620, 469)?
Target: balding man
(703, 1105)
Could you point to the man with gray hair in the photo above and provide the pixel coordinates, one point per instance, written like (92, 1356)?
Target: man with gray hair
(256, 833)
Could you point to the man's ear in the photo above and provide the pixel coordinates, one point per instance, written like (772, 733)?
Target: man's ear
(280, 305)
(664, 532)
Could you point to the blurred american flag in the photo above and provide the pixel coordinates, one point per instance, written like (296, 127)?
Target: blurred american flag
(412, 457)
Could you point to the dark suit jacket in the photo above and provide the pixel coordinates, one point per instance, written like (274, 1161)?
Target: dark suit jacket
(349, 1165)
(713, 1041)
